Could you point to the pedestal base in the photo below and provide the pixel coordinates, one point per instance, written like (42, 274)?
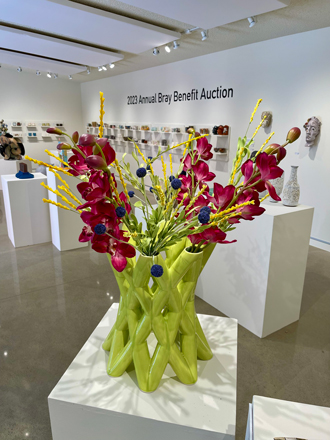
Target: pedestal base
(88, 404)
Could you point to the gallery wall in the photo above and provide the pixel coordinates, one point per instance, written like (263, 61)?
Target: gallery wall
(292, 76)
(26, 97)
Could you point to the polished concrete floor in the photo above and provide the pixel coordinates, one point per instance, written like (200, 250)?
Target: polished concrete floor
(50, 302)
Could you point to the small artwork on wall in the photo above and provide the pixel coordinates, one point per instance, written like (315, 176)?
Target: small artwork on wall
(312, 128)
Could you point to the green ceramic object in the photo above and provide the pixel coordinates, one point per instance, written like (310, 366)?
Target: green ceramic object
(167, 309)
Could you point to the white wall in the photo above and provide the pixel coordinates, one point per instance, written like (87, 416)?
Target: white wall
(30, 98)
(291, 74)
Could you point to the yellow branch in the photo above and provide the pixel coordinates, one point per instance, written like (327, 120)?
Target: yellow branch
(265, 143)
(56, 157)
(170, 203)
(171, 165)
(56, 204)
(69, 193)
(122, 179)
(233, 208)
(59, 178)
(264, 198)
(193, 200)
(258, 128)
(161, 194)
(102, 112)
(255, 109)
(164, 171)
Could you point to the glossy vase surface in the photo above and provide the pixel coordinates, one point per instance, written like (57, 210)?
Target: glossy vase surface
(291, 191)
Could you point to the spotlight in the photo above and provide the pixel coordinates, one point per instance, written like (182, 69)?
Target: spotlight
(168, 48)
(104, 67)
(155, 51)
(49, 74)
(55, 76)
(205, 35)
(38, 72)
(100, 69)
(88, 71)
(70, 76)
(176, 44)
(111, 66)
(19, 69)
(252, 21)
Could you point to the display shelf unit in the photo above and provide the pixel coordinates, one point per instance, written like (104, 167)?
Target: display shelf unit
(155, 137)
(22, 131)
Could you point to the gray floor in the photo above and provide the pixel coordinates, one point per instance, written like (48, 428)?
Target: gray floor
(50, 302)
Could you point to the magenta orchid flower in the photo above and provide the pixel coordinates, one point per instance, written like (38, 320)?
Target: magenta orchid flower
(118, 250)
(247, 212)
(95, 189)
(202, 173)
(204, 149)
(210, 235)
(222, 196)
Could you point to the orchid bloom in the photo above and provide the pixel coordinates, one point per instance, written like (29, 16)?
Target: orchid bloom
(222, 196)
(204, 149)
(210, 235)
(95, 189)
(247, 212)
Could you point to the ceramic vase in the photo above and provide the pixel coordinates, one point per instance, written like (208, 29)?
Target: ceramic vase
(291, 191)
(278, 185)
(166, 309)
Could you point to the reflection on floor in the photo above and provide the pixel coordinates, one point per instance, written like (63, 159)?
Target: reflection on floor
(50, 302)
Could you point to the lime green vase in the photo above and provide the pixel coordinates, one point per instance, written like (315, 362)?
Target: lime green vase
(166, 309)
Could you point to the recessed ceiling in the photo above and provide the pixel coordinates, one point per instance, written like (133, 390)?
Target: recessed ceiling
(210, 13)
(41, 45)
(86, 24)
(36, 63)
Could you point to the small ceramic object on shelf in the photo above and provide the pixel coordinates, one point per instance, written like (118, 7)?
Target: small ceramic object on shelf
(14, 124)
(135, 127)
(278, 185)
(220, 130)
(34, 134)
(59, 125)
(164, 142)
(215, 129)
(154, 129)
(188, 128)
(312, 128)
(30, 134)
(94, 124)
(225, 130)
(18, 124)
(291, 191)
(127, 127)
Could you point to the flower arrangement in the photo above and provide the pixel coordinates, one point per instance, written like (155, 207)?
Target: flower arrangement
(186, 221)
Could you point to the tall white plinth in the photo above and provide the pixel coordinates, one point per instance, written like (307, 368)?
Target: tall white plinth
(27, 215)
(259, 280)
(10, 167)
(280, 418)
(66, 226)
(87, 404)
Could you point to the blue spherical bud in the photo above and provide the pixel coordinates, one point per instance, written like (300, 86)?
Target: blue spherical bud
(131, 193)
(150, 157)
(151, 189)
(148, 168)
(206, 209)
(171, 178)
(100, 229)
(141, 172)
(176, 184)
(120, 211)
(157, 270)
(203, 217)
(183, 173)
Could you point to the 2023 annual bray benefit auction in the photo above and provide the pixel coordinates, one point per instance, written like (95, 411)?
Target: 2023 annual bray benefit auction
(193, 95)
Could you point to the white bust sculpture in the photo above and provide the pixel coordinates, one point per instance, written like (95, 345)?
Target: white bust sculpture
(312, 128)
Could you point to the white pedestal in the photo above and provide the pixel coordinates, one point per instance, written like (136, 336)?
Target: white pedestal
(10, 167)
(26, 214)
(66, 226)
(279, 418)
(259, 280)
(88, 404)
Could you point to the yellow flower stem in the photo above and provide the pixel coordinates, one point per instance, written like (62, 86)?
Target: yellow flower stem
(59, 178)
(55, 191)
(51, 167)
(171, 165)
(141, 154)
(69, 193)
(170, 203)
(164, 172)
(236, 165)
(255, 109)
(258, 128)
(56, 157)
(60, 205)
(161, 194)
(122, 180)
(101, 115)
(227, 211)
(265, 143)
(179, 206)
(114, 188)
(264, 198)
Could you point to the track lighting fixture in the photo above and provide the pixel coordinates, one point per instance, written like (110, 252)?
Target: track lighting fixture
(49, 74)
(100, 69)
(19, 69)
(104, 68)
(55, 76)
(205, 35)
(88, 71)
(176, 44)
(155, 51)
(168, 48)
(111, 66)
(252, 21)
(70, 76)
(38, 72)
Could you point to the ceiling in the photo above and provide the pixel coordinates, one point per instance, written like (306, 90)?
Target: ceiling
(65, 36)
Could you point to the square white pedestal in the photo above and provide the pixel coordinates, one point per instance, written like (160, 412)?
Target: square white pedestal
(280, 418)
(87, 404)
(66, 226)
(26, 214)
(10, 167)
(259, 280)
